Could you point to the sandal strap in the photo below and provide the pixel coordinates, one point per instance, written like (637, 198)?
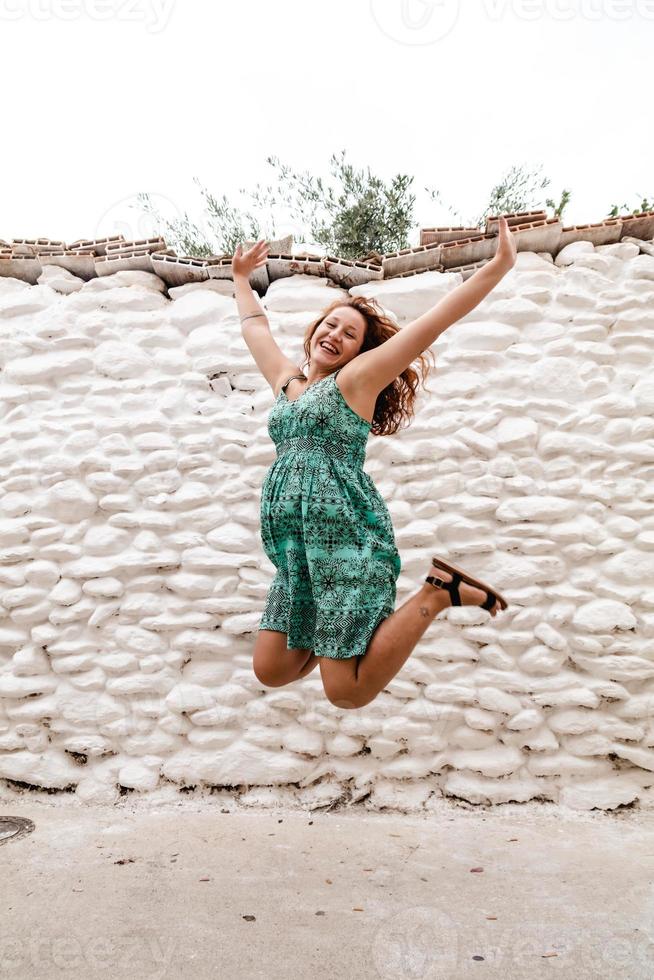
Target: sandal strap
(452, 587)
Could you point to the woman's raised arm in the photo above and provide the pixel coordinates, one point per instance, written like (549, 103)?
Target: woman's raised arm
(379, 367)
(270, 359)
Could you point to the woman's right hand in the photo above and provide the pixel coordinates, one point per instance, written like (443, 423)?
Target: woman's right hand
(244, 264)
(505, 255)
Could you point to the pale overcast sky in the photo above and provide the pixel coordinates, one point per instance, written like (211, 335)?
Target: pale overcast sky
(106, 98)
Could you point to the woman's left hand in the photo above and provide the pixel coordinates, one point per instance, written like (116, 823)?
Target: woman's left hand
(505, 255)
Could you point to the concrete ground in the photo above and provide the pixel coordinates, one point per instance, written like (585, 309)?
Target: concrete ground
(205, 888)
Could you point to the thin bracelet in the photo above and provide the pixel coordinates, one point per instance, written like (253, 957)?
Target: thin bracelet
(247, 317)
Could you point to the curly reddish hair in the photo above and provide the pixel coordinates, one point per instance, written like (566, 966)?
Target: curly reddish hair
(394, 406)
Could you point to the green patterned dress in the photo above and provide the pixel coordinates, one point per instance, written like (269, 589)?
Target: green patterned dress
(325, 527)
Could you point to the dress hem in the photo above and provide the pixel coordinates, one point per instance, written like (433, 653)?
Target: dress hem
(381, 616)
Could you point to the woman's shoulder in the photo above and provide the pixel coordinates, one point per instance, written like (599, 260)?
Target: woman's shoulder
(356, 396)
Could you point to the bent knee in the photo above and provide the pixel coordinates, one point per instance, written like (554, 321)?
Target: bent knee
(264, 677)
(277, 667)
(354, 700)
(340, 683)
(270, 676)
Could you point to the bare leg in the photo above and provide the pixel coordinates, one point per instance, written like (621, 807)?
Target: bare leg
(357, 681)
(276, 665)
(309, 665)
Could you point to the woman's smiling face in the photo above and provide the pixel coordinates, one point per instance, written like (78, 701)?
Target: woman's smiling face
(342, 330)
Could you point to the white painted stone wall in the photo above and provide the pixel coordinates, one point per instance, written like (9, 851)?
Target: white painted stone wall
(132, 576)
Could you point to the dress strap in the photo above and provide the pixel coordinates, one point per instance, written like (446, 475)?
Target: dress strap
(283, 388)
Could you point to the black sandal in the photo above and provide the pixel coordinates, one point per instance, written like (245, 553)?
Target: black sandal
(458, 576)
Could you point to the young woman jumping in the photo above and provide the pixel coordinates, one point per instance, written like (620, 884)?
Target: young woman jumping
(324, 525)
